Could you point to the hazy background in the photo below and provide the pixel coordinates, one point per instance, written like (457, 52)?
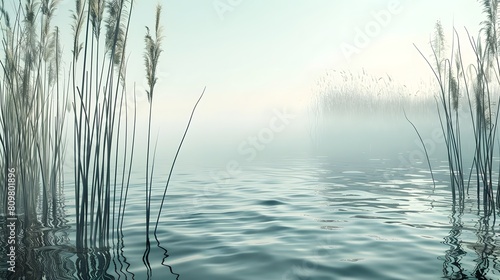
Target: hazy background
(259, 56)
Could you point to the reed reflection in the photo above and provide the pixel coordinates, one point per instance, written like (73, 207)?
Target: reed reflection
(44, 250)
(120, 262)
(41, 253)
(452, 268)
(164, 258)
(485, 249)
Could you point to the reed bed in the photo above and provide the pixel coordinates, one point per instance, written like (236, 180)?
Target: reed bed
(341, 92)
(32, 128)
(32, 110)
(474, 86)
(37, 98)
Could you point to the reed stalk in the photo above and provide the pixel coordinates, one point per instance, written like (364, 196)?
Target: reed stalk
(174, 160)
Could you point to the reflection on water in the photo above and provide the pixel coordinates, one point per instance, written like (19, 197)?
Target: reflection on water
(40, 251)
(484, 250)
(307, 218)
(452, 268)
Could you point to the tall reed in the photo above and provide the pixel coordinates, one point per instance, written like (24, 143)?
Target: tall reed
(151, 59)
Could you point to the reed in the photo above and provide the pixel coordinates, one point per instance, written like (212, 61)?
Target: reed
(174, 160)
(151, 58)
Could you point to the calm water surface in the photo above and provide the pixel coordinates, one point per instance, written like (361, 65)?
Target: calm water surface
(319, 219)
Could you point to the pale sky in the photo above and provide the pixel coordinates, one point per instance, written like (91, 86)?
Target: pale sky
(254, 53)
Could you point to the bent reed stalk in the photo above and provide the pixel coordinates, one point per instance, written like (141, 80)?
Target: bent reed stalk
(478, 83)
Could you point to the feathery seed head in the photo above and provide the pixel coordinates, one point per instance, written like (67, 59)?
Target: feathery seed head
(152, 53)
(454, 90)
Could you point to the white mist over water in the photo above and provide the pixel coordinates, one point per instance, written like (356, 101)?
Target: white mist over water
(253, 67)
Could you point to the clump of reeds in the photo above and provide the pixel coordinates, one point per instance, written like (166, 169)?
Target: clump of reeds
(347, 93)
(98, 79)
(448, 72)
(475, 87)
(32, 113)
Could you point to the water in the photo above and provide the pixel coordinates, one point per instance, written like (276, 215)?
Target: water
(364, 213)
(318, 219)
